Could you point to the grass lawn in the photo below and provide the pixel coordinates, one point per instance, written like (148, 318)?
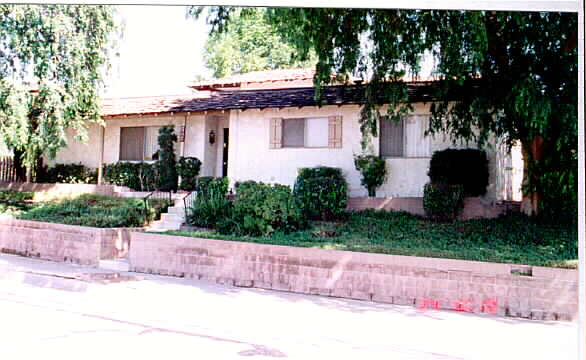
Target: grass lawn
(510, 239)
(85, 210)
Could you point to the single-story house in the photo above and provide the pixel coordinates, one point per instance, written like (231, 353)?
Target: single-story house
(265, 125)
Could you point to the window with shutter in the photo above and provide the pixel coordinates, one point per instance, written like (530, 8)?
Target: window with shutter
(307, 132)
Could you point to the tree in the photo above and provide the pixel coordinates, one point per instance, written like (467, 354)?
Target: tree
(167, 164)
(250, 43)
(515, 73)
(51, 61)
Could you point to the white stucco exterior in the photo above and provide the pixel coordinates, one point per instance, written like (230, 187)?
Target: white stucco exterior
(251, 158)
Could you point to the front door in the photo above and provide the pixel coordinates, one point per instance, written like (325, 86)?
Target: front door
(225, 153)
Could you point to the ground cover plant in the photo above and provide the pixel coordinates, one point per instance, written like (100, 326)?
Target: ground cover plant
(513, 238)
(85, 210)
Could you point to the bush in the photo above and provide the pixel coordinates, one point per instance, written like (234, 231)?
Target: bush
(262, 209)
(69, 174)
(322, 192)
(137, 176)
(210, 204)
(468, 167)
(443, 201)
(188, 169)
(95, 211)
(240, 186)
(15, 196)
(206, 184)
(373, 170)
(166, 164)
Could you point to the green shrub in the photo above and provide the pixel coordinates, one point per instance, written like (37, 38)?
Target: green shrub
(15, 196)
(210, 205)
(93, 210)
(137, 176)
(322, 192)
(188, 169)
(373, 170)
(69, 174)
(166, 164)
(443, 201)
(210, 183)
(262, 209)
(241, 185)
(468, 167)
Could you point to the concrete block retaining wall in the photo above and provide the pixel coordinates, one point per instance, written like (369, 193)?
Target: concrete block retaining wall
(547, 293)
(64, 243)
(71, 189)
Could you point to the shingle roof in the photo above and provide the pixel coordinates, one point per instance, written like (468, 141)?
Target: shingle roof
(253, 99)
(265, 76)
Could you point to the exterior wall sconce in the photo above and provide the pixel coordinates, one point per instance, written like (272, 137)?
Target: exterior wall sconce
(212, 137)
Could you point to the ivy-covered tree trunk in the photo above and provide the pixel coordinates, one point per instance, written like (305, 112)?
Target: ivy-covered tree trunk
(532, 172)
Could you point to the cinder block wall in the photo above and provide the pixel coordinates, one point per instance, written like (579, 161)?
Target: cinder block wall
(63, 243)
(448, 284)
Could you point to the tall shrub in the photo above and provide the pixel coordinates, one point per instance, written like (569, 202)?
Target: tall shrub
(373, 170)
(468, 167)
(188, 169)
(210, 205)
(167, 165)
(322, 192)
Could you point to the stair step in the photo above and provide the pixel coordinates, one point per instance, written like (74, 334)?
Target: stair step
(172, 217)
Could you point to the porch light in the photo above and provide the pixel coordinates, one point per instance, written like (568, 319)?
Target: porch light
(212, 137)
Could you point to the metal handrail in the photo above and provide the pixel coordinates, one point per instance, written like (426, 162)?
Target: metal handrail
(188, 200)
(166, 195)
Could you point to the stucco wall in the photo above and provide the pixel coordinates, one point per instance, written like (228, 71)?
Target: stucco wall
(79, 152)
(251, 158)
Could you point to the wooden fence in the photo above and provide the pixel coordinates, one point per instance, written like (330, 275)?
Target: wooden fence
(7, 169)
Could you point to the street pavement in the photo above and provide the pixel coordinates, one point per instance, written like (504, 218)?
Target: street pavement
(59, 311)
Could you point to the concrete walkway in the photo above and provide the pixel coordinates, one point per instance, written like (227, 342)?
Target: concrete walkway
(57, 311)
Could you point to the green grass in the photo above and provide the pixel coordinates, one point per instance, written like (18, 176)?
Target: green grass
(510, 239)
(84, 210)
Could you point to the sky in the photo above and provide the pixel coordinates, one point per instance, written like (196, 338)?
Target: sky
(160, 52)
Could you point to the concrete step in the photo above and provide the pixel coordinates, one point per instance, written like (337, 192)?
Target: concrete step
(115, 265)
(170, 217)
(176, 210)
(165, 225)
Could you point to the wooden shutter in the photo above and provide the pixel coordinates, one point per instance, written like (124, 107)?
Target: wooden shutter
(335, 131)
(131, 143)
(276, 133)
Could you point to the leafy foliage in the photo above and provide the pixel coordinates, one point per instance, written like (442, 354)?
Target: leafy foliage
(509, 74)
(250, 43)
(513, 238)
(188, 168)
(167, 165)
(95, 211)
(322, 192)
(61, 51)
(137, 176)
(70, 174)
(468, 167)
(373, 170)
(443, 201)
(15, 196)
(262, 209)
(210, 205)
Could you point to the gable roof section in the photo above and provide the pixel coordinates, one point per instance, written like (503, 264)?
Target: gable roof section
(254, 99)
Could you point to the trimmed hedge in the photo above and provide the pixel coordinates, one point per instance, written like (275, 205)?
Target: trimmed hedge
(322, 192)
(443, 201)
(188, 169)
(137, 176)
(468, 167)
(69, 174)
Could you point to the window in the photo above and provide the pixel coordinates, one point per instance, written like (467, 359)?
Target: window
(405, 138)
(306, 132)
(138, 143)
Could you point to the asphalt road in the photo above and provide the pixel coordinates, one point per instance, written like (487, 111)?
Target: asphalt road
(56, 311)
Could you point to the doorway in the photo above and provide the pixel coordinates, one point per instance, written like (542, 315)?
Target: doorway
(225, 153)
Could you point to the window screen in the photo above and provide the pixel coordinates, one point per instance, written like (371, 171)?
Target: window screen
(132, 143)
(391, 138)
(293, 132)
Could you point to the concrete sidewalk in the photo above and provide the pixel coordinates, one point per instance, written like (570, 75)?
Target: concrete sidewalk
(55, 310)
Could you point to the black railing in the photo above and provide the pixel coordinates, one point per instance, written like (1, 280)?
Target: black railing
(188, 200)
(157, 199)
